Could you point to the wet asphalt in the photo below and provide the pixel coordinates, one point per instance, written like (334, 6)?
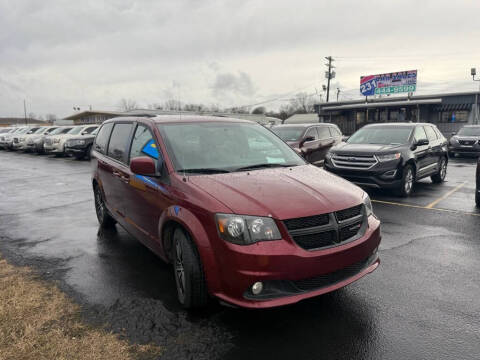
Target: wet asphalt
(423, 302)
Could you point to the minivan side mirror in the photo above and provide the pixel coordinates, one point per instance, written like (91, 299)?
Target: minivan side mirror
(307, 139)
(454, 133)
(143, 165)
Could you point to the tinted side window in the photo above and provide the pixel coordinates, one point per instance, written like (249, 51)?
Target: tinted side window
(432, 136)
(119, 141)
(419, 133)
(143, 144)
(323, 132)
(102, 138)
(312, 132)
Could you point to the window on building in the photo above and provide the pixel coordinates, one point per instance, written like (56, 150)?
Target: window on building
(454, 116)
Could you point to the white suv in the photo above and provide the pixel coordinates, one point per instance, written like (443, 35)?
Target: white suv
(55, 143)
(20, 136)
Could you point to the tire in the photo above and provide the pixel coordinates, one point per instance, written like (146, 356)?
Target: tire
(104, 218)
(477, 198)
(88, 153)
(188, 272)
(442, 172)
(408, 180)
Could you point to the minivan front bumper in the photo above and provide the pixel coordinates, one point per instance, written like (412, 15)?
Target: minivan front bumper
(290, 274)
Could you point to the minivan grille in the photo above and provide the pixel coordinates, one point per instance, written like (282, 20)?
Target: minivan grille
(348, 213)
(327, 230)
(306, 222)
(360, 162)
(333, 277)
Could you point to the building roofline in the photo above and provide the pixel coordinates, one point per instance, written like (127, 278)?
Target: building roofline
(395, 99)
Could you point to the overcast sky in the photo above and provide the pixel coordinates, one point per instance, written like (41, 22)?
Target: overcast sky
(57, 54)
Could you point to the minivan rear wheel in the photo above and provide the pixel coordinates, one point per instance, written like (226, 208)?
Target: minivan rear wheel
(104, 218)
(188, 271)
(408, 180)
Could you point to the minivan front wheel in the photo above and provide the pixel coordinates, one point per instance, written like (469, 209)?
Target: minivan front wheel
(104, 218)
(188, 271)
(408, 179)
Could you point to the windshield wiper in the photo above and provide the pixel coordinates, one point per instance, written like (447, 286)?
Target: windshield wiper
(204, 171)
(266, 165)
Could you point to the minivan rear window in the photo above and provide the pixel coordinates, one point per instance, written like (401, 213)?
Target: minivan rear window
(102, 138)
(119, 141)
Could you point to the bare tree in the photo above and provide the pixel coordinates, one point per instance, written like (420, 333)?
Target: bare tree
(127, 105)
(173, 105)
(302, 103)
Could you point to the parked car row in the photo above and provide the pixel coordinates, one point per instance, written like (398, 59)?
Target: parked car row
(58, 140)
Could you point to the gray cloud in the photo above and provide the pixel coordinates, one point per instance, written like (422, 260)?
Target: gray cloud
(231, 84)
(61, 52)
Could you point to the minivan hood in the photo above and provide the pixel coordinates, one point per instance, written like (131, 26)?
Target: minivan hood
(346, 148)
(282, 193)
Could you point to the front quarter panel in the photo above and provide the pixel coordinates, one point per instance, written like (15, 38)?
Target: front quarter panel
(198, 226)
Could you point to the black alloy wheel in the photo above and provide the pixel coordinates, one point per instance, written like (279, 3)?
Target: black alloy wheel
(188, 271)
(104, 218)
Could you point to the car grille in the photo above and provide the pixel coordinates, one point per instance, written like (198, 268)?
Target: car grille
(15, 140)
(348, 213)
(48, 141)
(307, 222)
(327, 230)
(360, 162)
(333, 277)
(467, 142)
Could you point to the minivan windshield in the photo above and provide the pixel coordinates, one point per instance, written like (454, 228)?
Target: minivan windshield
(287, 133)
(381, 135)
(470, 131)
(221, 147)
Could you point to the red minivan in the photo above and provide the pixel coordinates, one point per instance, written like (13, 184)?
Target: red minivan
(237, 212)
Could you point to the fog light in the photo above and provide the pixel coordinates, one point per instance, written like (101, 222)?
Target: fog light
(257, 288)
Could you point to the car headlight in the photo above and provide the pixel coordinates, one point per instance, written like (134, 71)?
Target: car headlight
(388, 157)
(21, 139)
(246, 230)
(79, 142)
(368, 204)
(56, 141)
(328, 156)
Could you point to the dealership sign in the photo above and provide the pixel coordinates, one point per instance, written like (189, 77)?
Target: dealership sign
(391, 83)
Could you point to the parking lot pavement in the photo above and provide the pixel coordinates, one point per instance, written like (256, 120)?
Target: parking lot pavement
(421, 303)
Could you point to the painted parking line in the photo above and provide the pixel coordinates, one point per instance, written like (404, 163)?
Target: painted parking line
(432, 204)
(425, 207)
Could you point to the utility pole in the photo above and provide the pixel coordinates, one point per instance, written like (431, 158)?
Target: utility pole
(473, 72)
(329, 74)
(25, 111)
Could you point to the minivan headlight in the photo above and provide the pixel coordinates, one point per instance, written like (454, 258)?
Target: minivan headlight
(388, 157)
(246, 230)
(368, 204)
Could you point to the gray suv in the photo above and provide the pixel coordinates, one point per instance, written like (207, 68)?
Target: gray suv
(466, 141)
